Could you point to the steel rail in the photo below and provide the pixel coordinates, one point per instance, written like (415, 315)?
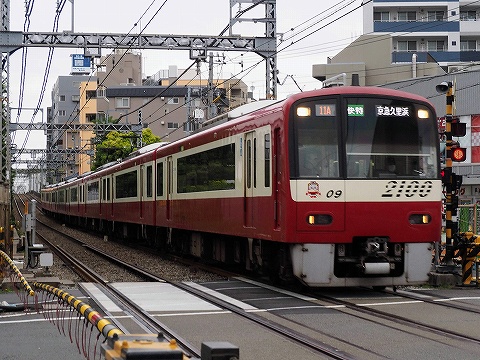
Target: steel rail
(137, 312)
(400, 319)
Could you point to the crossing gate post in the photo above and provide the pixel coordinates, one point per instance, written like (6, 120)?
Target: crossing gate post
(469, 255)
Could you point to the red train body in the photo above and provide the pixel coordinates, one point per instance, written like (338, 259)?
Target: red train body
(336, 187)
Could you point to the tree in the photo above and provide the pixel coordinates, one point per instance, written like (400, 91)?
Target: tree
(116, 145)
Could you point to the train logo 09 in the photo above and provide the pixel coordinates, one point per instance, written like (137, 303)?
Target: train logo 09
(313, 189)
(407, 188)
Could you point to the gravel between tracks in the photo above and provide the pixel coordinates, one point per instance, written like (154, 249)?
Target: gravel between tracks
(150, 262)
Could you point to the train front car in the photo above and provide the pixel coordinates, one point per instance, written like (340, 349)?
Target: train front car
(365, 182)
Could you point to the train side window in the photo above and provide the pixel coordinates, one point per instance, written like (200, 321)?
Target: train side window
(160, 179)
(249, 163)
(61, 196)
(104, 189)
(267, 160)
(209, 170)
(255, 163)
(127, 185)
(92, 191)
(73, 195)
(149, 180)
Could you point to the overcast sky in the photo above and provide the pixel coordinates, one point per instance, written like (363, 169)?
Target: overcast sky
(299, 21)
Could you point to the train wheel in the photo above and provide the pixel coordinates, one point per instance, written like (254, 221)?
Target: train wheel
(280, 267)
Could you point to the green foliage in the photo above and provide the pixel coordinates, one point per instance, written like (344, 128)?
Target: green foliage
(116, 145)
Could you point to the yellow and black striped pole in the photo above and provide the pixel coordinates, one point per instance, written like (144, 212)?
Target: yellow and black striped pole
(12, 265)
(470, 253)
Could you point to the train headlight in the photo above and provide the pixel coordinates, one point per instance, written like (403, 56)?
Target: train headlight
(303, 111)
(418, 219)
(319, 219)
(423, 114)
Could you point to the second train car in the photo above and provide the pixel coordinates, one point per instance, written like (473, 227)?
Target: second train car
(335, 187)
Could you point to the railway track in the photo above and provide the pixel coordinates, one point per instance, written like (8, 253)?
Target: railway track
(329, 345)
(88, 274)
(372, 312)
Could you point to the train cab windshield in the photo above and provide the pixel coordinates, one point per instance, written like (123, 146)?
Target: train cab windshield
(363, 137)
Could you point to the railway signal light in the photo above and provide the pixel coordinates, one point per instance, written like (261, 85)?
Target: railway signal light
(446, 174)
(457, 181)
(459, 154)
(458, 128)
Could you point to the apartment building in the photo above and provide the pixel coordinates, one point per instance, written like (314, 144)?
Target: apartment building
(447, 31)
(65, 109)
(118, 92)
(409, 39)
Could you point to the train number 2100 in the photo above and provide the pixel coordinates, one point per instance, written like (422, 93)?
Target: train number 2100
(407, 188)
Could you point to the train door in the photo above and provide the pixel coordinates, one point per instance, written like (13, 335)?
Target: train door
(102, 196)
(169, 187)
(105, 199)
(109, 182)
(250, 178)
(277, 176)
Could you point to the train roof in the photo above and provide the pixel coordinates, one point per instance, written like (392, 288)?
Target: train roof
(347, 90)
(145, 149)
(238, 111)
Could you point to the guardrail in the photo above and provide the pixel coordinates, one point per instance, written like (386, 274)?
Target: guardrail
(63, 309)
(16, 272)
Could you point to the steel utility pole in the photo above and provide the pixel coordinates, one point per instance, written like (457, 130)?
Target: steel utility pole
(5, 202)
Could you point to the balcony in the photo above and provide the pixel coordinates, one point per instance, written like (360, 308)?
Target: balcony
(416, 26)
(438, 56)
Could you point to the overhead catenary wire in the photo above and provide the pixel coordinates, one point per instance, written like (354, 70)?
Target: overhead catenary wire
(286, 51)
(74, 113)
(45, 77)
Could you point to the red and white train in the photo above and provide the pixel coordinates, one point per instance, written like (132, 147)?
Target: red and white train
(336, 187)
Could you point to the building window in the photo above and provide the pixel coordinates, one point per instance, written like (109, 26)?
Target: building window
(91, 117)
(436, 45)
(101, 92)
(407, 46)
(468, 45)
(468, 15)
(91, 94)
(173, 101)
(62, 113)
(122, 102)
(172, 125)
(407, 16)
(435, 16)
(101, 117)
(62, 97)
(381, 16)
